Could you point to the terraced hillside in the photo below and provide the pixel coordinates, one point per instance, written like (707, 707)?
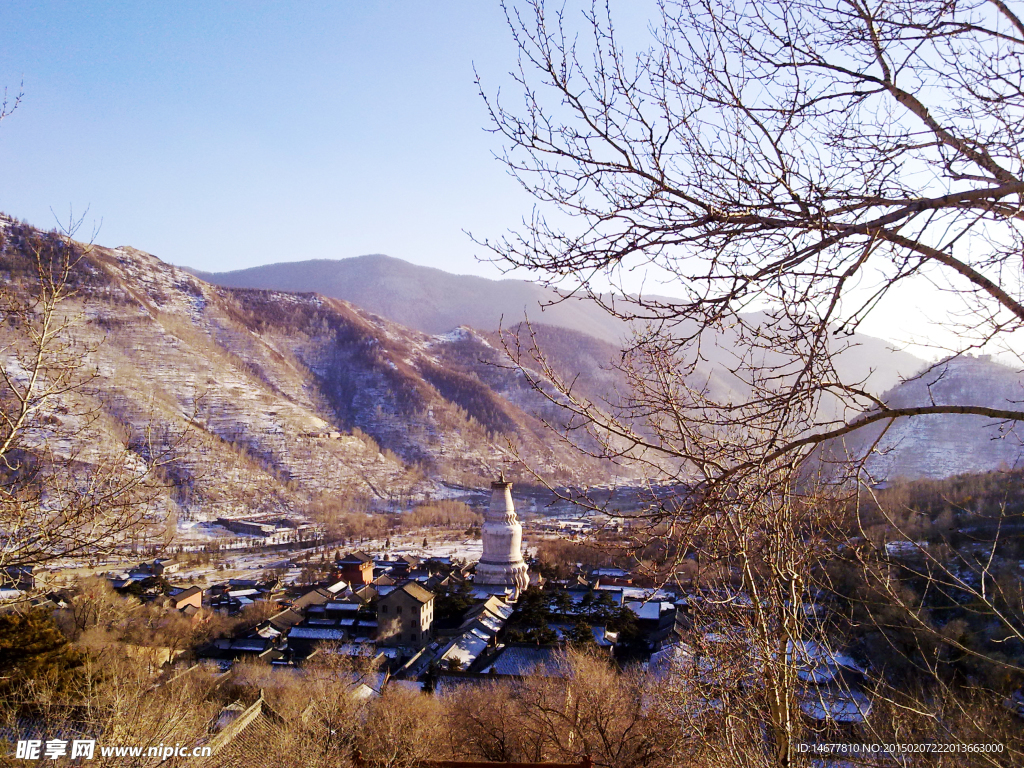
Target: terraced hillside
(286, 399)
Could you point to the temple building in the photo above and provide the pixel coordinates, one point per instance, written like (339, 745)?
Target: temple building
(502, 561)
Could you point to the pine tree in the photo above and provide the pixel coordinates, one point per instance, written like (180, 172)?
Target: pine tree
(33, 648)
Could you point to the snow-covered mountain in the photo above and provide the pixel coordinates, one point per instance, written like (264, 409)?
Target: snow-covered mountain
(435, 301)
(292, 398)
(300, 396)
(937, 446)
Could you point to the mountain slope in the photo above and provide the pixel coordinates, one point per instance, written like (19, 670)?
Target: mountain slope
(296, 397)
(434, 301)
(286, 399)
(938, 446)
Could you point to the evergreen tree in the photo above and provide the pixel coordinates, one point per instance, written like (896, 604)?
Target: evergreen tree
(33, 648)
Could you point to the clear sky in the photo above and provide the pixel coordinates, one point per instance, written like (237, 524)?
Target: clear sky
(222, 135)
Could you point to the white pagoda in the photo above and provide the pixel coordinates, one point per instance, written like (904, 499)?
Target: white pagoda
(502, 561)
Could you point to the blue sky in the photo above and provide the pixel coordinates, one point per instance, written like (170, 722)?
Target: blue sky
(222, 135)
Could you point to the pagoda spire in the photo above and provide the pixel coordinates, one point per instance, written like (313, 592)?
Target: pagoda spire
(502, 561)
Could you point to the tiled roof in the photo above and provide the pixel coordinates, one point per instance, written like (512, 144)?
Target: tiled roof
(243, 743)
(488, 623)
(522, 660)
(286, 618)
(366, 594)
(414, 590)
(336, 605)
(615, 573)
(249, 644)
(313, 597)
(465, 649)
(650, 611)
(499, 607)
(356, 557)
(316, 633)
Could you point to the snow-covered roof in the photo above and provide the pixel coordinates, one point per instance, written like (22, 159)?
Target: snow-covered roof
(522, 660)
(817, 663)
(836, 706)
(357, 649)
(465, 648)
(491, 624)
(499, 608)
(650, 611)
(483, 591)
(904, 548)
(641, 594)
(670, 656)
(248, 644)
(339, 606)
(316, 633)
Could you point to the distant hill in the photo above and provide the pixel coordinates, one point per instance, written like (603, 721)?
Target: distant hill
(434, 301)
(938, 446)
(423, 298)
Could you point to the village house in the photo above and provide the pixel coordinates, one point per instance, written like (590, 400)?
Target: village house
(179, 599)
(356, 568)
(405, 616)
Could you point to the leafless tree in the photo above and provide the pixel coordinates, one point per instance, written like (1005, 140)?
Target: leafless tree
(402, 728)
(586, 708)
(790, 166)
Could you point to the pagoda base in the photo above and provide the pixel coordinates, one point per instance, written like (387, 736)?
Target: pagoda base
(504, 574)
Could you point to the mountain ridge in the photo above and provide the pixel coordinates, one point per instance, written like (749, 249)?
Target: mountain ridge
(419, 297)
(937, 446)
(931, 447)
(270, 372)
(434, 301)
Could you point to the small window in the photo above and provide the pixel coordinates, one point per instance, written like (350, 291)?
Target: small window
(412, 636)
(398, 610)
(383, 609)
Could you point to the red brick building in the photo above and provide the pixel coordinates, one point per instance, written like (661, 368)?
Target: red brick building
(356, 568)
